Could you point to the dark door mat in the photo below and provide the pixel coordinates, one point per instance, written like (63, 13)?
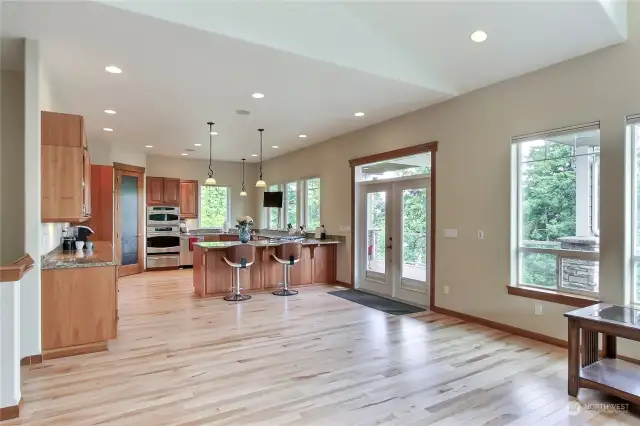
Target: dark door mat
(376, 302)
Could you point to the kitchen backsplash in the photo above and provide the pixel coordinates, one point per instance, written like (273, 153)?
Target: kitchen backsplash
(51, 236)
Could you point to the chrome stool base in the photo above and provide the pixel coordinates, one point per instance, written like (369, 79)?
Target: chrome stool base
(236, 297)
(285, 292)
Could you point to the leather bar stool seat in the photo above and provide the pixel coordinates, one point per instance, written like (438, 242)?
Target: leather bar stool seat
(239, 257)
(287, 254)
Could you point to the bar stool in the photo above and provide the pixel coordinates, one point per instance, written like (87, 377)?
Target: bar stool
(239, 257)
(287, 254)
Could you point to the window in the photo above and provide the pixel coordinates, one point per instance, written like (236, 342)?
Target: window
(633, 133)
(312, 204)
(556, 180)
(304, 193)
(291, 204)
(214, 206)
(273, 213)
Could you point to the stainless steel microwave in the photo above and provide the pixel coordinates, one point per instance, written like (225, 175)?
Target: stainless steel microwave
(163, 216)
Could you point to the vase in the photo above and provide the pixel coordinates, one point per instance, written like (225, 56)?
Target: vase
(243, 233)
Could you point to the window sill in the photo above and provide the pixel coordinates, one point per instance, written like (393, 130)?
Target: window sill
(552, 296)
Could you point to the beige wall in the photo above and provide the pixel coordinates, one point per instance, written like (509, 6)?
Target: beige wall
(106, 154)
(473, 174)
(226, 174)
(12, 167)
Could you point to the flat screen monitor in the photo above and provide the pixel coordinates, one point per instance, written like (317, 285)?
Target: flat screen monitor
(273, 199)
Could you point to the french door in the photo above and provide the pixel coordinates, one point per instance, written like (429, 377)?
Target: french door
(394, 244)
(129, 221)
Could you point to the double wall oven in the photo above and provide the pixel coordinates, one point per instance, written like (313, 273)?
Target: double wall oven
(163, 236)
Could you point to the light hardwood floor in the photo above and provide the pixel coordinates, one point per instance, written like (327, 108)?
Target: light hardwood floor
(311, 359)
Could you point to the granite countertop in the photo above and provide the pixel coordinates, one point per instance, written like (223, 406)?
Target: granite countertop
(216, 245)
(101, 255)
(265, 233)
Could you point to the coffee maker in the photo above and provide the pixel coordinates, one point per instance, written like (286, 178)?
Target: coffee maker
(83, 233)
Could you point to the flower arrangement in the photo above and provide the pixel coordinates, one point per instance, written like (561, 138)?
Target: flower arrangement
(244, 221)
(243, 228)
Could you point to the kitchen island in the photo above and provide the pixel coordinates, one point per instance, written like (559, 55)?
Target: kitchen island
(213, 277)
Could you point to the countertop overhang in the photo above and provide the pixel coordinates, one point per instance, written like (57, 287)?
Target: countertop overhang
(220, 245)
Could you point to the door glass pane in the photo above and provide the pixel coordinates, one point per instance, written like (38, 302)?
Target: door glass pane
(376, 226)
(129, 214)
(414, 234)
(292, 203)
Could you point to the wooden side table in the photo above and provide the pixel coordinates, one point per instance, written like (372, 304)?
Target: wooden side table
(607, 374)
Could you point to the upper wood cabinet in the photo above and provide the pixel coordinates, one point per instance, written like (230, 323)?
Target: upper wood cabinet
(62, 129)
(155, 190)
(188, 199)
(163, 191)
(172, 191)
(66, 168)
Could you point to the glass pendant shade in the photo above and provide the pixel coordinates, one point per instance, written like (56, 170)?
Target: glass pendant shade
(243, 194)
(261, 184)
(210, 181)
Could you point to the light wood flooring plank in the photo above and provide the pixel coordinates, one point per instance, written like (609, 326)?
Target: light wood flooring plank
(311, 359)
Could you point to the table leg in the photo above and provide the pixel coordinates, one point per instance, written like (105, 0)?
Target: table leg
(609, 346)
(574, 357)
(589, 347)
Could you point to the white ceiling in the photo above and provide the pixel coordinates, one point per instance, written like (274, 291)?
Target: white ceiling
(188, 62)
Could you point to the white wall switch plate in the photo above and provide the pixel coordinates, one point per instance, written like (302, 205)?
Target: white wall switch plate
(481, 235)
(538, 308)
(451, 233)
(446, 289)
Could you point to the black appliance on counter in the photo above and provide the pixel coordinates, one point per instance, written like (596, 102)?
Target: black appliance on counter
(84, 232)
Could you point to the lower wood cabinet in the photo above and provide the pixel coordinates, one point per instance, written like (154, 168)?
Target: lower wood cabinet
(79, 310)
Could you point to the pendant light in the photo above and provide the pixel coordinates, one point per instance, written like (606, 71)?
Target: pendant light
(243, 193)
(210, 180)
(261, 183)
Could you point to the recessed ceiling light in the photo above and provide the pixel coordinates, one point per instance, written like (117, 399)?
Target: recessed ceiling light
(148, 146)
(479, 36)
(113, 69)
(275, 146)
(214, 133)
(359, 114)
(258, 95)
(254, 155)
(107, 129)
(184, 153)
(197, 144)
(110, 111)
(302, 136)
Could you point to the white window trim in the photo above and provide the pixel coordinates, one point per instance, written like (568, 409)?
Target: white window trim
(517, 221)
(635, 258)
(267, 210)
(200, 207)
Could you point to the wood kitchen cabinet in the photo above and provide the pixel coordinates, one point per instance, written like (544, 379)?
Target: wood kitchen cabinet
(163, 191)
(188, 199)
(79, 310)
(66, 168)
